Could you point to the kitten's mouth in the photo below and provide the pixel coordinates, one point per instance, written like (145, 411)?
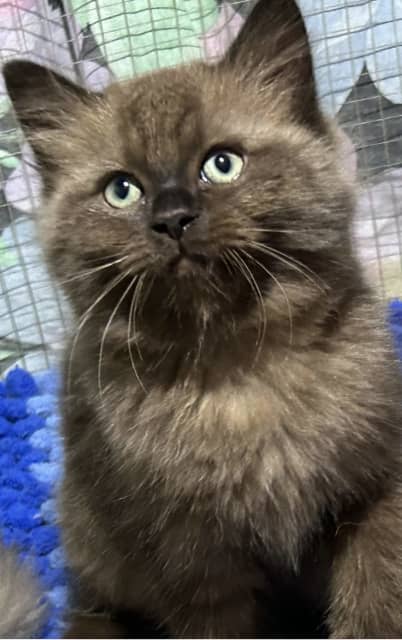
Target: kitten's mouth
(186, 264)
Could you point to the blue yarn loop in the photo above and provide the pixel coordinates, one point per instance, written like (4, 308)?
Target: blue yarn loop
(30, 468)
(30, 465)
(395, 320)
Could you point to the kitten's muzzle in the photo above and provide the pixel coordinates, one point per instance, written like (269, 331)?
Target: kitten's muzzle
(173, 212)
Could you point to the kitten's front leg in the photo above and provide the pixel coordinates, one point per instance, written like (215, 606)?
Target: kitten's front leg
(366, 585)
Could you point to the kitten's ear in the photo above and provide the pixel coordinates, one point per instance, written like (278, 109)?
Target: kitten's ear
(273, 46)
(42, 99)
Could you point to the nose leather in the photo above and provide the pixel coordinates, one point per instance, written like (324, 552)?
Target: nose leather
(173, 211)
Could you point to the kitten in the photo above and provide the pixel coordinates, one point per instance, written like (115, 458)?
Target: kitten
(232, 413)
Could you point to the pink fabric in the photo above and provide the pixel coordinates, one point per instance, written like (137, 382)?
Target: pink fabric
(215, 41)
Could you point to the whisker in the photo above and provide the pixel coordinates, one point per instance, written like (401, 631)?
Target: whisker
(147, 292)
(106, 329)
(265, 230)
(158, 363)
(83, 320)
(227, 264)
(131, 330)
(248, 275)
(103, 257)
(212, 283)
(137, 299)
(298, 266)
(86, 274)
(281, 287)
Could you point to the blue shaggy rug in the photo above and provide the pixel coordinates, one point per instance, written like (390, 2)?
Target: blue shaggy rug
(31, 462)
(30, 468)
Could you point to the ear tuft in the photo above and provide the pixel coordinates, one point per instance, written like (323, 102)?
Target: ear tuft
(42, 100)
(273, 46)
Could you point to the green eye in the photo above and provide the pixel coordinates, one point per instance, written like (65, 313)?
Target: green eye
(122, 192)
(222, 167)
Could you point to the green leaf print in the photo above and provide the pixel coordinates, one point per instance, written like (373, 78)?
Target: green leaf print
(135, 38)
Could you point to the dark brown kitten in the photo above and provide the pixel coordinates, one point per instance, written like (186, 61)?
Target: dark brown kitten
(232, 408)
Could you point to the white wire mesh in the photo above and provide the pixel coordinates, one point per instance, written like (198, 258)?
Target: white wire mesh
(358, 62)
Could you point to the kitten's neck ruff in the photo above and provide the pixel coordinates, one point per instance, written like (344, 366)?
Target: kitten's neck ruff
(165, 347)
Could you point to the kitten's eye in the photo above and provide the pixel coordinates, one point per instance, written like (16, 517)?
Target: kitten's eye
(122, 192)
(222, 167)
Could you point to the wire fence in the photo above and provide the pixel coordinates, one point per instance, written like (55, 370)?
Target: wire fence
(357, 51)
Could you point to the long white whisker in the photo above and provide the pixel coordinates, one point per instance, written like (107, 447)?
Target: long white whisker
(131, 331)
(83, 320)
(267, 230)
(281, 287)
(291, 262)
(259, 297)
(217, 288)
(85, 274)
(105, 331)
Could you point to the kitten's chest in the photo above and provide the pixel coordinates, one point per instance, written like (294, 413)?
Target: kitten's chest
(225, 462)
(256, 457)
(230, 444)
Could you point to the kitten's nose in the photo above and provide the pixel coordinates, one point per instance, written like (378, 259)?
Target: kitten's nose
(174, 224)
(173, 212)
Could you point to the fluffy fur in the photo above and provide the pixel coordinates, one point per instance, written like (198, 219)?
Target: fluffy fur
(232, 411)
(21, 609)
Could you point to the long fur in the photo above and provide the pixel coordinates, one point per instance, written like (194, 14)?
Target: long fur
(21, 605)
(232, 405)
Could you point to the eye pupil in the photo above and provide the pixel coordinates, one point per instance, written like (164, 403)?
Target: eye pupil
(221, 167)
(121, 188)
(122, 191)
(223, 163)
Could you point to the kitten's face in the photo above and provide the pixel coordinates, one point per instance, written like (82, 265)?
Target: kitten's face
(217, 182)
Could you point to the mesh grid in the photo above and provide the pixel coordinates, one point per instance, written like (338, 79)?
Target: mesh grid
(358, 64)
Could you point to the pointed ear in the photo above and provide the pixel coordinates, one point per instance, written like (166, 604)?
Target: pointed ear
(42, 100)
(273, 46)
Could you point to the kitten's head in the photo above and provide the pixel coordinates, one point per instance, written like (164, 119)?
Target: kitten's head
(214, 187)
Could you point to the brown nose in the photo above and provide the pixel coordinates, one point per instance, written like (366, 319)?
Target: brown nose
(173, 212)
